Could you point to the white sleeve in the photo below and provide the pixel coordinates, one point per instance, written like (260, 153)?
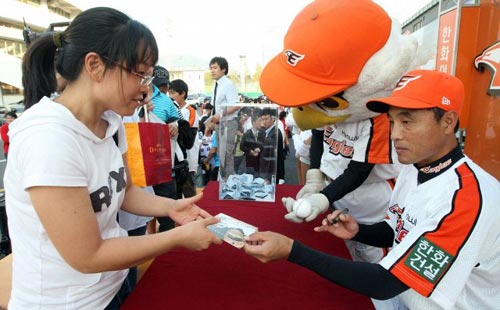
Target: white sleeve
(57, 161)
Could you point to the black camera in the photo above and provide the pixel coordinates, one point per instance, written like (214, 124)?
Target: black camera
(30, 36)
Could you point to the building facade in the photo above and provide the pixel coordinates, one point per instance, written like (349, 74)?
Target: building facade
(15, 15)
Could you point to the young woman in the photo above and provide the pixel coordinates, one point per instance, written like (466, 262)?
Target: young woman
(67, 177)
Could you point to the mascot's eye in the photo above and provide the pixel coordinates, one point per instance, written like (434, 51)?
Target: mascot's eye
(334, 102)
(329, 103)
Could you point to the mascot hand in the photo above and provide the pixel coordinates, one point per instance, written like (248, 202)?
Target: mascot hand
(315, 182)
(305, 208)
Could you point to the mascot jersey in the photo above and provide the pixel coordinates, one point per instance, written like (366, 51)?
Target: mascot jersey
(446, 244)
(365, 141)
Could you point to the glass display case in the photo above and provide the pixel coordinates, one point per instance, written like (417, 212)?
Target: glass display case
(247, 137)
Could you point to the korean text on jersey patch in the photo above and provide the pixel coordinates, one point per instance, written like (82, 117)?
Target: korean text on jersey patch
(429, 260)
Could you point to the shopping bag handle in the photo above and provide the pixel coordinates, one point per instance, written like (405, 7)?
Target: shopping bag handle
(146, 114)
(144, 118)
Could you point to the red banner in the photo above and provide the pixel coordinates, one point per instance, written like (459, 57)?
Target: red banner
(446, 53)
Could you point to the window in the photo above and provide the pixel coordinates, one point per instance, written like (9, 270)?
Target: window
(59, 11)
(10, 90)
(417, 26)
(12, 47)
(32, 2)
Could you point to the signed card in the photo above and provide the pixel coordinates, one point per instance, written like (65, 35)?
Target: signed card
(232, 230)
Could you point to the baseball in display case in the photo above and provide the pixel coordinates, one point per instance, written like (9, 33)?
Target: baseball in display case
(247, 137)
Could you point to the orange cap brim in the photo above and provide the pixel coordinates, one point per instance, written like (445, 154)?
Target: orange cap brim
(381, 105)
(292, 90)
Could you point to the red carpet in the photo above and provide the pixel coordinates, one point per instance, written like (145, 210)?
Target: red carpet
(224, 277)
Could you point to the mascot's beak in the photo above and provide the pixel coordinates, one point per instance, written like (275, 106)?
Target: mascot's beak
(331, 110)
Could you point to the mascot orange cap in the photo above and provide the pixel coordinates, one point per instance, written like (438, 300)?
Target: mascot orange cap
(312, 66)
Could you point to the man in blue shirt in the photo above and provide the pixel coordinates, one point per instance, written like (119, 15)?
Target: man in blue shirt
(165, 108)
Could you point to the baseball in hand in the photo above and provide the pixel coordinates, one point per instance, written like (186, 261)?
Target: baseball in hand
(302, 208)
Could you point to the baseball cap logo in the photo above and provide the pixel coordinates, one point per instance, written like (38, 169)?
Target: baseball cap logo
(446, 101)
(405, 80)
(293, 58)
(161, 74)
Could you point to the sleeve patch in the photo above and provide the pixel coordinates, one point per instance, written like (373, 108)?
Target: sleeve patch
(429, 260)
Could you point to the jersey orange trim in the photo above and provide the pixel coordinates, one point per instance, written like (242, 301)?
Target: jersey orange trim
(392, 183)
(379, 150)
(192, 116)
(452, 232)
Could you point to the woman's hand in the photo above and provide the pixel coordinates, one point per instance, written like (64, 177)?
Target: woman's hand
(196, 237)
(345, 228)
(185, 210)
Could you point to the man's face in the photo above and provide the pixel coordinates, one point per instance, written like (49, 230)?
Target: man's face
(179, 98)
(164, 88)
(267, 121)
(216, 71)
(418, 137)
(257, 123)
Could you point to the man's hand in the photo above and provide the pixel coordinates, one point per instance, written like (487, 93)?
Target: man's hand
(173, 129)
(150, 106)
(215, 119)
(268, 246)
(305, 208)
(255, 152)
(340, 225)
(315, 182)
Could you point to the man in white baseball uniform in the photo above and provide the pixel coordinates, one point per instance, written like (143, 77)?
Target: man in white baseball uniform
(443, 215)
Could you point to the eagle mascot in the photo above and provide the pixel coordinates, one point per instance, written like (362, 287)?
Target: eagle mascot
(337, 55)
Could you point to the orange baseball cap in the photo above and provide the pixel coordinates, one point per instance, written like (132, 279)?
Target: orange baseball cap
(423, 89)
(326, 47)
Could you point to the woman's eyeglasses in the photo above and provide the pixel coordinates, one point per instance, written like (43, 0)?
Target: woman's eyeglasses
(145, 80)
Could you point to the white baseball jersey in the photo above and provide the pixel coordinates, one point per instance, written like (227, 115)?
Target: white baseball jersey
(366, 141)
(446, 219)
(50, 147)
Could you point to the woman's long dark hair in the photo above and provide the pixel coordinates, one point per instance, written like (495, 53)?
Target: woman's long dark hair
(105, 31)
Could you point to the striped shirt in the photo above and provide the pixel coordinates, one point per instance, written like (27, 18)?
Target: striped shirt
(165, 108)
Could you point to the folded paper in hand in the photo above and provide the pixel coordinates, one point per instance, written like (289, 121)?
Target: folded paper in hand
(232, 230)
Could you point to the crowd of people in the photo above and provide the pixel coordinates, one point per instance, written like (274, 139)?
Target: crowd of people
(259, 145)
(79, 228)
